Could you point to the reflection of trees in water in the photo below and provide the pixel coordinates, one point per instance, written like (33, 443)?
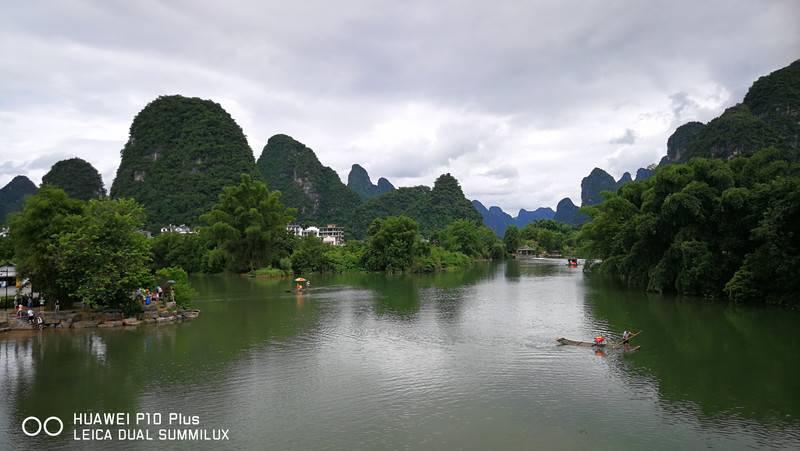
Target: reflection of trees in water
(62, 372)
(401, 296)
(723, 358)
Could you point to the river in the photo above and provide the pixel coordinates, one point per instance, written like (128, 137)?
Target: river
(462, 360)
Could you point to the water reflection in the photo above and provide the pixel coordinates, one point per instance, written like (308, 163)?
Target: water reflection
(727, 360)
(452, 360)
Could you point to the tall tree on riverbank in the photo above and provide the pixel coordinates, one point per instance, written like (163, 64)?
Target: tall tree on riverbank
(34, 231)
(392, 244)
(101, 256)
(707, 227)
(248, 226)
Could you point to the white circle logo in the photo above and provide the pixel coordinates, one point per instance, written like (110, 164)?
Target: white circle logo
(26, 428)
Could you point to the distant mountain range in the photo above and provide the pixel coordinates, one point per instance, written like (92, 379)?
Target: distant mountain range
(182, 151)
(567, 212)
(498, 220)
(358, 180)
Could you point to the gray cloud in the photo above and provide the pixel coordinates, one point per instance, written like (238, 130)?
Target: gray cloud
(629, 137)
(409, 89)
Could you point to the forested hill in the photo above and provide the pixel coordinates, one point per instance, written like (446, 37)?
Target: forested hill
(709, 227)
(314, 190)
(180, 153)
(358, 180)
(432, 208)
(77, 177)
(593, 185)
(768, 116)
(12, 196)
(569, 213)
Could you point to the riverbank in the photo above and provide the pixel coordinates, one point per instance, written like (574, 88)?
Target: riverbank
(84, 319)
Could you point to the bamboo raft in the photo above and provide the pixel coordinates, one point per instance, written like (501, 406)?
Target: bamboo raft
(589, 344)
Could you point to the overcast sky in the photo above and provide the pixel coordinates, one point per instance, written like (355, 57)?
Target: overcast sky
(518, 100)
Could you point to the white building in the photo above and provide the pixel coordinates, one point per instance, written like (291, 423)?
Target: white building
(334, 232)
(182, 229)
(295, 229)
(311, 231)
(330, 234)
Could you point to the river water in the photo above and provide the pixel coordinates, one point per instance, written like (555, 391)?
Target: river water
(462, 360)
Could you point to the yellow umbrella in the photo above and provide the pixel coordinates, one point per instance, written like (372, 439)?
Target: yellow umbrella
(299, 279)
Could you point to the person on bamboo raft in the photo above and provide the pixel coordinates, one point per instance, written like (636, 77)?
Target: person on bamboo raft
(626, 337)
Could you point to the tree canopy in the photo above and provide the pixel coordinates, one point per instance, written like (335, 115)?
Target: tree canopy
(101, 256)
(247, 226)
(708, 227)
(433, 209)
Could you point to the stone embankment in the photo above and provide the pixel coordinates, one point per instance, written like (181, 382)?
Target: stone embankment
(82, 319)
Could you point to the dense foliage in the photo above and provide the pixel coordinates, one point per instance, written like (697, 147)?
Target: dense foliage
(471, 239)
(175, 283)
(185, 250)
(392, 245)
(432, 209)
(708, 227)
(77, 177)
(77, 251)
(358, 180)
(736, 132)
(180, 154)
(100, 255)
(678, 142)
(34, 232)
(314, 190)
(247, 226)
(512, 239)
(6, 249)
(775, 99)
(548, 236)
(12, 196)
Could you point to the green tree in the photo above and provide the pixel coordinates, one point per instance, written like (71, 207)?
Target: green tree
(34, 231)
(101, 256)
(512, 239)
(709, 227)
(470, 238)
(6, 249)
(188, 251)
(550, 236)
(175, 280)
(310, 255)
(248, 226)
(392, 244)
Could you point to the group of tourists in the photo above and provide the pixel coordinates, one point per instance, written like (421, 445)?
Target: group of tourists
(23, 312)
(148, 296)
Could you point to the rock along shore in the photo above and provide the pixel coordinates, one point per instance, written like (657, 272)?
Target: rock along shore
(83, 319)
